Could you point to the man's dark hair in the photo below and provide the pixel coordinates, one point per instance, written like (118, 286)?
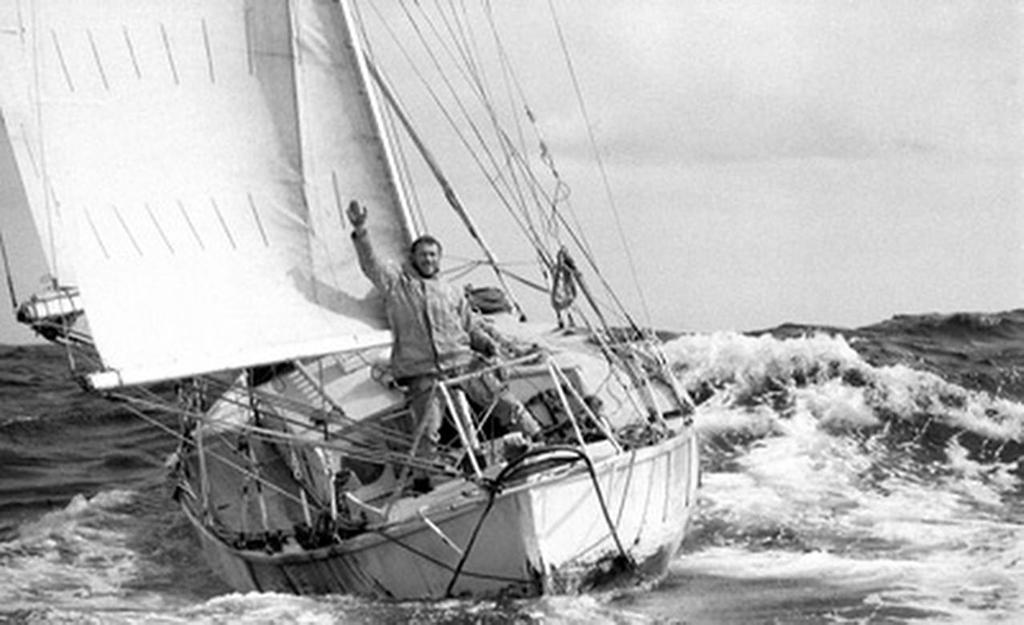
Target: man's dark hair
(426, 239)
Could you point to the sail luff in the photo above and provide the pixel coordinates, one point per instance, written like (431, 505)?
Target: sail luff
(359, 56)
(7, 273)
(23, 131)
(54, 232)
(345, 154)
(199, 152)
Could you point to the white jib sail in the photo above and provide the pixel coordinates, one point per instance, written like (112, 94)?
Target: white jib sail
(198, 153)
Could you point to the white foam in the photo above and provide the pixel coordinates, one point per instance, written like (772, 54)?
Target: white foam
(833, 382)
(75, 557)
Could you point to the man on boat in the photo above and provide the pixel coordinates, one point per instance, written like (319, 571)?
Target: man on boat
(435, 335)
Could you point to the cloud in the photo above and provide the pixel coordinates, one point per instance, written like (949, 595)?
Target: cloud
(762, 80)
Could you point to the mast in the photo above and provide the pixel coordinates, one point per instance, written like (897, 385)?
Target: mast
(389, 157)
(446, 187)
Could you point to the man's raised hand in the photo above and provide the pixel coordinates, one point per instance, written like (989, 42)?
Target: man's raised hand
(356, 215)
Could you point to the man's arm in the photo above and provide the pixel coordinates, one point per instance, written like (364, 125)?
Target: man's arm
(488, 340)
(480, 337)
(368, 261)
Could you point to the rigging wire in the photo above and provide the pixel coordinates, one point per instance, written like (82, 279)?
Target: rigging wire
(462, 35)
(519, 175)
(463, 40)
(450, 196)
(380, 531)
(496, 175)
(510, 82)
(351, 447)
(273, 435)
(538, 243)
(560, 195)
(281, 403)
(492, 178)
(394, 137)
(473, 67)
(597, 156)
(405, 173)
(475, 76)
(130, 406)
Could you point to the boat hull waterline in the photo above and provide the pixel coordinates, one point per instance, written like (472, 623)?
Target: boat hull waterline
(547, 533)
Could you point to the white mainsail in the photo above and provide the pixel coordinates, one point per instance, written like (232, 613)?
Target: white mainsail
(189, 159)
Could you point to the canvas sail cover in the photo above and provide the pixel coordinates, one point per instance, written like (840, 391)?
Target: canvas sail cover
(189, 161)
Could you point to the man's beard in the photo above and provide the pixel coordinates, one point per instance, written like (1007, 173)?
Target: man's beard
(424, 274)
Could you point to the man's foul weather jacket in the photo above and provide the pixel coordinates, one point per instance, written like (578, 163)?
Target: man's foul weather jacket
(430, 321)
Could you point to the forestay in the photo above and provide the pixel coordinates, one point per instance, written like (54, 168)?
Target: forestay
(191, 158)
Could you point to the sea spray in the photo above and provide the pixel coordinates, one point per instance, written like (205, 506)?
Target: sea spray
(826, 376)
(117, 550)
(866, 475)
(819, 463)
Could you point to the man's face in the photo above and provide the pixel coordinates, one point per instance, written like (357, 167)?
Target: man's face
(426, 259)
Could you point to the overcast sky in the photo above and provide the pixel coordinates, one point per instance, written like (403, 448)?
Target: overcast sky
(820, 161)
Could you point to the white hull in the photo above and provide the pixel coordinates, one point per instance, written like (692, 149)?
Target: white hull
(228, 229)
(547, 532)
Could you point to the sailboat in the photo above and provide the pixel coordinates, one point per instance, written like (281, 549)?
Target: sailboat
(187, 164)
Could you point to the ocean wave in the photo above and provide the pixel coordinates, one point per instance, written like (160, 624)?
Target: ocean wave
(749, 385)
(1007, 325)
(850, 474)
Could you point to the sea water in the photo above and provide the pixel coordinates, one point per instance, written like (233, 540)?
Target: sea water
(849, 476)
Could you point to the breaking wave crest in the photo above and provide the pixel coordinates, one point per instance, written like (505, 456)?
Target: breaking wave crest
(848, 475)
(878, 485)
(751, 385)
